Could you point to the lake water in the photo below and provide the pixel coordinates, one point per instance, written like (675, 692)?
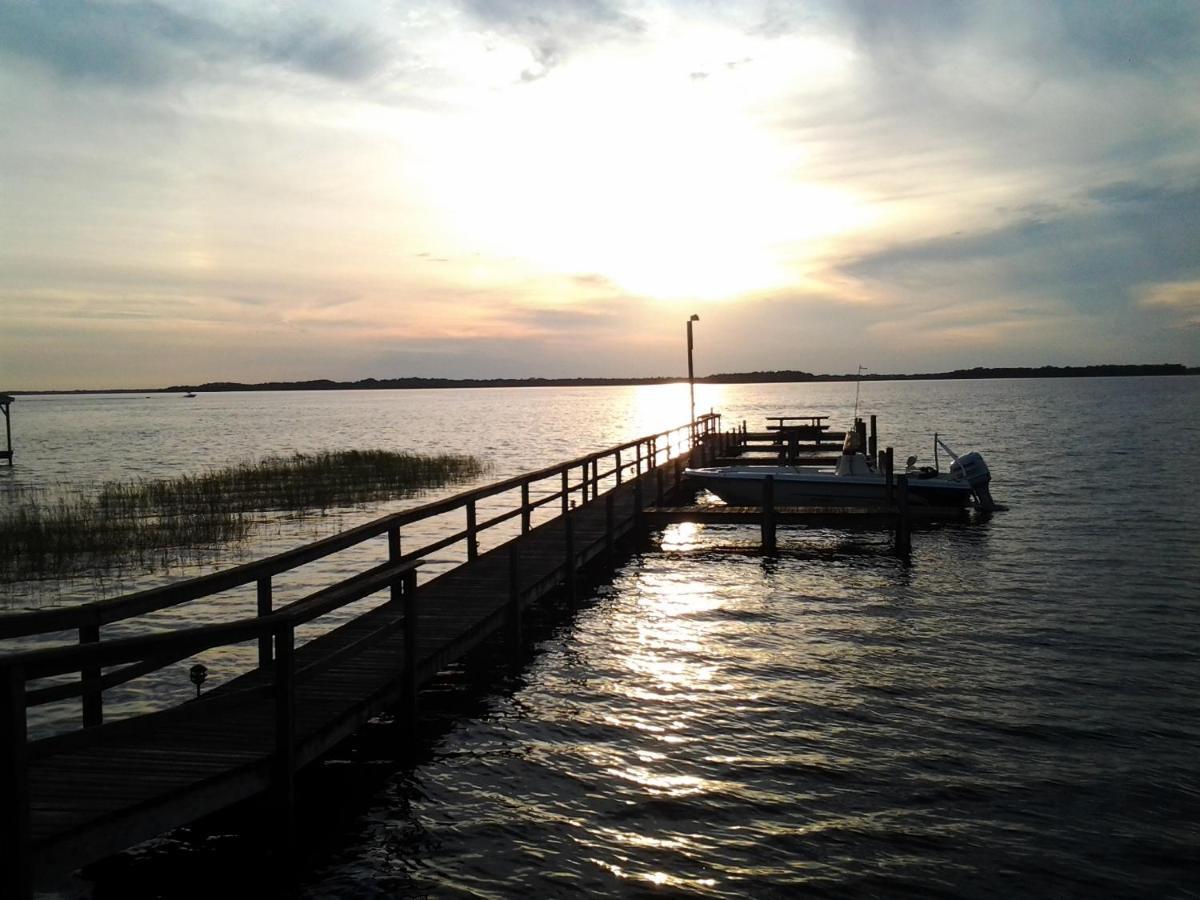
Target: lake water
(1014, 713)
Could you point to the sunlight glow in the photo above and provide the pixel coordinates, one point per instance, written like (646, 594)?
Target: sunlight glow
(648, 176)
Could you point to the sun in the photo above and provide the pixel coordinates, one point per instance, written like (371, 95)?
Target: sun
(663, 187)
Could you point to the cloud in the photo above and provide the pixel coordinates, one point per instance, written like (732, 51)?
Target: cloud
(1093, 254)
(1180, 298)
(552, 31)
(145, 44)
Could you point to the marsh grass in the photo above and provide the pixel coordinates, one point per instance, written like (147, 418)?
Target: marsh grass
(155, 522)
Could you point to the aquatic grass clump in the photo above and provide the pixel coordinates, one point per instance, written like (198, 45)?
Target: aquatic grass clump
(127, 523)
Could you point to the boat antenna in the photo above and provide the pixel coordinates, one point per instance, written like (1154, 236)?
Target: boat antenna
(857, 385)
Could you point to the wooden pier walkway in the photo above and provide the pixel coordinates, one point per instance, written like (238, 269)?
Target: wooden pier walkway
(75, 797)
(78, 796)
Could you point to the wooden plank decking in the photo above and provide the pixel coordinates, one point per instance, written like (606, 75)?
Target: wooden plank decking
(145, 777)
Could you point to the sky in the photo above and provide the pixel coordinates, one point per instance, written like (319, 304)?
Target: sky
(240, 191)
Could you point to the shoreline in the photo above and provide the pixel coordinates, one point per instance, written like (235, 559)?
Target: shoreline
(772, 377)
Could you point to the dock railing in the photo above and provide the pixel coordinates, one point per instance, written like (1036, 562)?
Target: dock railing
(84, 665)
(93, 660)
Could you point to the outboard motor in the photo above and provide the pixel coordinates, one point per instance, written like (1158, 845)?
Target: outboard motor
(852, 461)
(971, 468)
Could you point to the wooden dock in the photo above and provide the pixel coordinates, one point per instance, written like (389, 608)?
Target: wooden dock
(75, 797)
(84, 794)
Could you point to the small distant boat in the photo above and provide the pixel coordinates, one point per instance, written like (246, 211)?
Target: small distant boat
(854, 481)
(189, 394)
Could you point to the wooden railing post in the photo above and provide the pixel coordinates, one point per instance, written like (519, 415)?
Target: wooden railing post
(565, 492)
(284, 786)
(16, 870)
(639, 458)
(873, 441)
(92, 699)
(595, 477)
(264, 603)
(618, 466)
(394, 552)
(889, 460)
(472, 532)
(768, 514)
(525, 520)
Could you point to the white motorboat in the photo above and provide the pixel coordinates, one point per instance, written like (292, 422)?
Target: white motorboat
(854, 481)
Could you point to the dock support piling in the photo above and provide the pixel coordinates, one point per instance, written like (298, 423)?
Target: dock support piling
(873, 444)
(5, 401)
(768, 515)
(903, 518)
(569, 562)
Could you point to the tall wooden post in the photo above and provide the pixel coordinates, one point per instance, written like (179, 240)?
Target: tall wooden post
(566, 491)
(525, 519)
(5, 400)
(889, 460)
(873, 442)
(768, 514)
(16, 870)
(618, 466)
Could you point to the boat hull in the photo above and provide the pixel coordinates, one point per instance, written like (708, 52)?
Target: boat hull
(796, 486)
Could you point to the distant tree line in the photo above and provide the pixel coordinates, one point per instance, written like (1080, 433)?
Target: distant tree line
(787, 375)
